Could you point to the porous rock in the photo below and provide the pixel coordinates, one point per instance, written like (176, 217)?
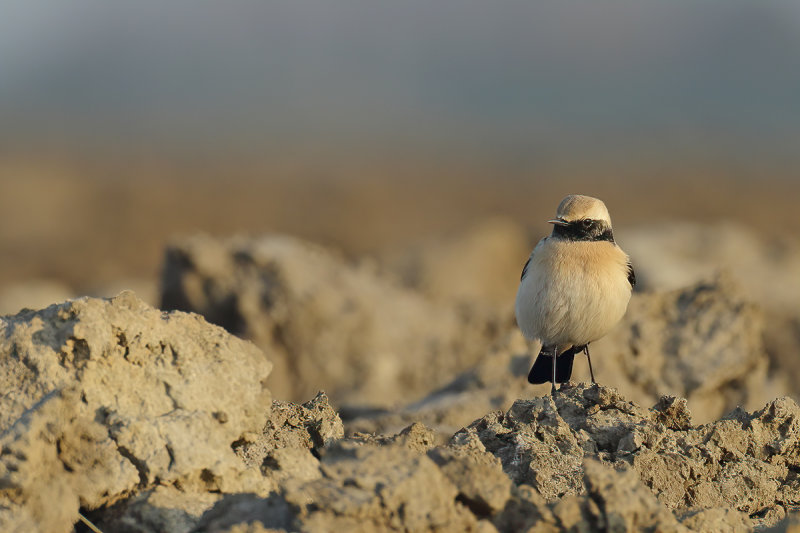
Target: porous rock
(364, 487)
(416, 437)
(672, 255)
(747, 462)
(106, 399)
(703, 343)
(617, 501)
(459, 487)
(292, 438)
(613, 499)
(585, 460)
(328, 324)
(477, 474)
(52, 461)
(719, 519)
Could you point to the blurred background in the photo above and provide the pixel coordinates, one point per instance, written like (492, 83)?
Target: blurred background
(371, 126)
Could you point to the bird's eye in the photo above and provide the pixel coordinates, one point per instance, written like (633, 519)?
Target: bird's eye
(587, 222)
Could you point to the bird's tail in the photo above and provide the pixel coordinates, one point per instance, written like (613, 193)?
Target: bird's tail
(542, 369)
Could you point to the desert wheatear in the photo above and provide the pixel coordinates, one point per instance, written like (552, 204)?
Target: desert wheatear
(575, 287)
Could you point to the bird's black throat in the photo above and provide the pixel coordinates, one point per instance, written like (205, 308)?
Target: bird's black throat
(584, 230)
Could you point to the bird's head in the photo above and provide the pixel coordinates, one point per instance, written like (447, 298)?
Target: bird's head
(582, 218)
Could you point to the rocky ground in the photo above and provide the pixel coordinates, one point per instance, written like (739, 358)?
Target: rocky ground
(208, 416)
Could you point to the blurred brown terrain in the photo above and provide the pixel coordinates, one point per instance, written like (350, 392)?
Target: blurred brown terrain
(93, 224)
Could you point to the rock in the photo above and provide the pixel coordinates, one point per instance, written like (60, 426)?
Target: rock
(527, 510)
(364, 488)
(160, 508)
(329, 325)
(146, 289)
(292, 439)
(746, 461)
(478, 475)
(673, 255)
(586, 460)
(703, 343)
(54, 460)
(247, 513)
(416, 437)
(782, 344)
(717, 519)
(377, 487)
(107, 399)
(311, 425)
(617, 501)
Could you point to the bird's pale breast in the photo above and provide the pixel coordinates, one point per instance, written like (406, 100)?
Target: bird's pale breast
(573, 292)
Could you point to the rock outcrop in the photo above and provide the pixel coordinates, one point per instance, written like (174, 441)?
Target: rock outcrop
(153, 421)
(672, 255)
(581, 461)
(107, 400)
(326, 324)
(703, 342)
(747, 462)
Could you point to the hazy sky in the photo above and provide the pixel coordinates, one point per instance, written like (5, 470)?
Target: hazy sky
(467, 74)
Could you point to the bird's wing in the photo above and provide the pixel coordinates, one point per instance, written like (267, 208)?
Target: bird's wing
(528, 262)
(525, 269)
(631, 274)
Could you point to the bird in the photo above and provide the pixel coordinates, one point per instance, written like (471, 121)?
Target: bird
(574, 288)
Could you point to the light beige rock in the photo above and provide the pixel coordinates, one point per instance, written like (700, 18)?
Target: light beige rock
(478, 475)
(54, 460)
(160, 508)
(618, 501)
(746, 462)
(703, 342)
(292, 438)
(330, 325)
(150, 399)
(766, 266)
(717, 519)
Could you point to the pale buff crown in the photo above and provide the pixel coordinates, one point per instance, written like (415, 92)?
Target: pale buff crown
(577, 207)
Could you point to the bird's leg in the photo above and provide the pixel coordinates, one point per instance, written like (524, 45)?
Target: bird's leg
(555, 355)
(591, 372)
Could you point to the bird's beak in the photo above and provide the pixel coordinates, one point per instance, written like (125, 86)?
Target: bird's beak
(558, 222)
